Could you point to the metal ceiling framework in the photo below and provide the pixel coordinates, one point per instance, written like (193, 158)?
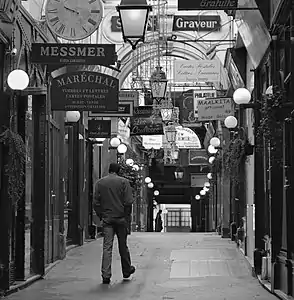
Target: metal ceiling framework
(194, 50)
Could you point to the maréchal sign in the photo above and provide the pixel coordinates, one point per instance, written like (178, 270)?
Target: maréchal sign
(73, 54)
(207, 4)
(84, 91)
(197, 23)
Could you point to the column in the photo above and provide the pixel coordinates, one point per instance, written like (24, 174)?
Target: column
(22, 103)
(39, 189)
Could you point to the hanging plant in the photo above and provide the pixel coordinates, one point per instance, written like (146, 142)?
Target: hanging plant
(270, 128)
(216, 166)
(234, 155)
(132, 175)
(14, 168)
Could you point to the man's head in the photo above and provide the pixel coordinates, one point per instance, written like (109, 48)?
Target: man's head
(160, 211)
(114, 168)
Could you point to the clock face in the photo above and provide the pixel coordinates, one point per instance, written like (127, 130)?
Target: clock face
(73, 19)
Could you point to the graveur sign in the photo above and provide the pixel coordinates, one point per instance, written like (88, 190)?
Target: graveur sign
(99, 128)
(84, 91)
(86, 54)
(197, 23)
(145, 123)
(207, 4)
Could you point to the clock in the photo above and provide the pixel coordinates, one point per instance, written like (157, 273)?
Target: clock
(73, 19)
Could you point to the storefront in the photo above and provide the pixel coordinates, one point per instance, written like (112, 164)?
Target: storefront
(31, 226)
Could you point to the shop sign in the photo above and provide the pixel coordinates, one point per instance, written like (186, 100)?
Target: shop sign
(99, 128)
(186, 138)
(197, 71)
(152, 141)
(129, 96)
(197, 23)
(125, 109)
(84, 91)
(198, 157)
(123, 131)
(145, 123)
(116, 24)
(211, 109)
(197, 180)
(72, 54)
(207, 4)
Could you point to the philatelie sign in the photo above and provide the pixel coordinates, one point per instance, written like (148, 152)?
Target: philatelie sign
(86, 54)
(210, 109)
(196, 23)
(207, 4)
(84, 91)
(197, 70)
(99, 128)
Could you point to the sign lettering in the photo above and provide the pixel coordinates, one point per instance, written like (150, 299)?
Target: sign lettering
(196, 23)
(116, 24)
(125, 109)
(84, 91)
(210, 109)
(87, 54)
(207, 4)
(99, 128)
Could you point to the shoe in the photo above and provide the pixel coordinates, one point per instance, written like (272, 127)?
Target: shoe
(105, 280)
(132, 271)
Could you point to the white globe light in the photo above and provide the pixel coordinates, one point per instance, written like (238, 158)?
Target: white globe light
(242, 96)
(202, 192)
(122, 148)
(150, 185)
(114, 142)
(136, 167)
(156, 193)
(231, 122)
(215, 142)
(130, 162)
(211, 159)
(72, 116)
(18, 80)
(206, 189)
(209, 176)
(147, 180)
(211, 149)
(207, 184)
(197, 197)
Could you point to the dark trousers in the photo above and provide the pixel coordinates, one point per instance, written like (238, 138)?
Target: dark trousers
(110, 229)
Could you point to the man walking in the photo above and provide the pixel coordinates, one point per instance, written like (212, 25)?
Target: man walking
(113, 201)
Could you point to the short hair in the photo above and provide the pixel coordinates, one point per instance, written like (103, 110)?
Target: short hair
(114, 168)
(160, 211)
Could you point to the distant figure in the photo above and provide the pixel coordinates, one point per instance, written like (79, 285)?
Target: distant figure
(113, 201)
(158, 221)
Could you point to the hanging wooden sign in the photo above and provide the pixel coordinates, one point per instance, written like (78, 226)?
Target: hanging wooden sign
(84, 91)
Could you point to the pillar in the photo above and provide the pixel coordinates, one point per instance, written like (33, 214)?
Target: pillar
(22, 103)
(39, 189)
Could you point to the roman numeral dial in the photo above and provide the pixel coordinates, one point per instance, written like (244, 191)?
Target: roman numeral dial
(73, 20)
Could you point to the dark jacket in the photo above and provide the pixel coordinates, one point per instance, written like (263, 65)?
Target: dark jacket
(113, 197)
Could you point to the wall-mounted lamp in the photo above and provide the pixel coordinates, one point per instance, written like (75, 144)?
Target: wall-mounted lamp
(211, 159)
(156, 193)
(231, 122)
(209, 176)
(122, 148)
(114, 142)
(197, 197)
(147, 180)
(18, 80)
(150, 185)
